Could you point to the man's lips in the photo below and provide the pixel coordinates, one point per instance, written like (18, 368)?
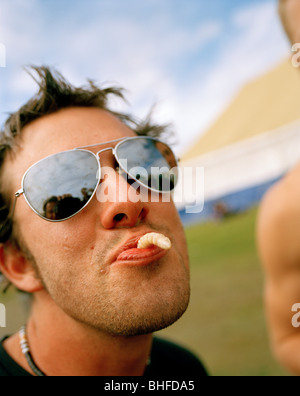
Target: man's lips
(142, 256)
(129, 253)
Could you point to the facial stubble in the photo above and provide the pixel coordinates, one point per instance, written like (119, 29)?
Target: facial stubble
(123, 303)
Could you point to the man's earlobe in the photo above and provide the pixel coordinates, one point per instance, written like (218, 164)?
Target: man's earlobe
(18, 269)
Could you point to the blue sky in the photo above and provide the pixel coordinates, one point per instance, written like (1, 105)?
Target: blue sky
(189, 56)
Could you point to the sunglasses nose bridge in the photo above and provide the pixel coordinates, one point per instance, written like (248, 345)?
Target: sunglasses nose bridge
(107, 160)
(106, 149)
(98, 154)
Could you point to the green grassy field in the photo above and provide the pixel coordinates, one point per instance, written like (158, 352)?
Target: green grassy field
(225, 323)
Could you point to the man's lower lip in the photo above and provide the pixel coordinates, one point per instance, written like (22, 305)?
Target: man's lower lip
(141, 257)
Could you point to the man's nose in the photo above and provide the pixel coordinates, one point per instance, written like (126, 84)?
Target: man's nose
(121, 206)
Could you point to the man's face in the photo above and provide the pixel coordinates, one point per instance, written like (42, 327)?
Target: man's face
(50, 210)
(74, 257)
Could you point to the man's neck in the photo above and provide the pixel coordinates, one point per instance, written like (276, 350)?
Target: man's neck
(61, 346)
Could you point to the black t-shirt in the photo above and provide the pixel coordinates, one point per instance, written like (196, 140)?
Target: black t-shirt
(167, 361)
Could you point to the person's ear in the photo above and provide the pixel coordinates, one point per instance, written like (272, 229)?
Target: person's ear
(17, 269)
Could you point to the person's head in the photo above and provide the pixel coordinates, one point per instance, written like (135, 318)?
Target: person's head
(71, 263)
(290, 15)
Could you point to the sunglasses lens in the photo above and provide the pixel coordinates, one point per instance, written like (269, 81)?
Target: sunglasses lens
(150, 162)
(59, 186)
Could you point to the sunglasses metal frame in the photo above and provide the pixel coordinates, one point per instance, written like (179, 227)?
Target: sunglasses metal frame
(97, 157)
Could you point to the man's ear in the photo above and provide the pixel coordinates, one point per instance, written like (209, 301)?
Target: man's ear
(17, 269)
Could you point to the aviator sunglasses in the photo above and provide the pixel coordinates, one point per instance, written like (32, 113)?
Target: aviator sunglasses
(62, 185)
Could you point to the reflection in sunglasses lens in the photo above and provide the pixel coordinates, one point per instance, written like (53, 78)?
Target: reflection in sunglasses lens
(149, 162)
(61, 185)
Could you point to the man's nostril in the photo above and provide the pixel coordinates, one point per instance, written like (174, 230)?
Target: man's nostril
(119, 217)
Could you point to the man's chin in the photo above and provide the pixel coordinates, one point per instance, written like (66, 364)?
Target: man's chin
(137, 331)
(128, 308)
(139, 325)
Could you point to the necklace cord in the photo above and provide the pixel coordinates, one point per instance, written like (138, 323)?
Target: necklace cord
(26, 352)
